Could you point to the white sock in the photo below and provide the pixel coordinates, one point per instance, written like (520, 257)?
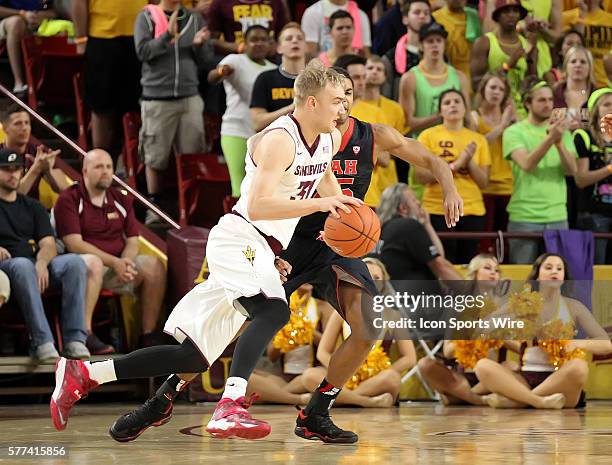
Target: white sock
(234, 388)
(102, 372)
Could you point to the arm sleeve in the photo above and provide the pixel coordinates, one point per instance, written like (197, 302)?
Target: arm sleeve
(66, 216)
(568, 142)
(580, 144)
(310, 24)
(148, 48)
(259, 98)
(365, 29)
(214, 13)
(511, 141)
(131, 228)
(205, 52)
(417, 243)
(42, 222)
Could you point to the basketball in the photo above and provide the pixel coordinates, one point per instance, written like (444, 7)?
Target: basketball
(354, 234)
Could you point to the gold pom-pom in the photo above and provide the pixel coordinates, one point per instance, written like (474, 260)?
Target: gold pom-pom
(468, 353)
(298, 331)
(553, 338)
(558, 353)
(376, 362)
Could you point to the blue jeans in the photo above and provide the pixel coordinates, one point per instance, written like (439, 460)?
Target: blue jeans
(67, 273)
(523, 251)
(597, 223)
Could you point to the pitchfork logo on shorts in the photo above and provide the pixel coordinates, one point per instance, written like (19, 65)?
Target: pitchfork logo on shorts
(249, 254)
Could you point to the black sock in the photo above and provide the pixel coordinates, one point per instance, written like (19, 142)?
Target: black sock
(323, 398)
(168, 391)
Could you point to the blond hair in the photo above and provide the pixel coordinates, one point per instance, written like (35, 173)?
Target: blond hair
(477, 263)
(313, 79)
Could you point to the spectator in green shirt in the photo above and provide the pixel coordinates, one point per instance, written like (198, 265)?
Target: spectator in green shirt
(542, 153)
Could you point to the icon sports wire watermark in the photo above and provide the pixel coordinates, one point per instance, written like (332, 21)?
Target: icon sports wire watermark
(467, 310)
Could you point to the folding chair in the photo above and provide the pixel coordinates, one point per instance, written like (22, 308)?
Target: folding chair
(50, 64)
(203, 184)
(431, 353)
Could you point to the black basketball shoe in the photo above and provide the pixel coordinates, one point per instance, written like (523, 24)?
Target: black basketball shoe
(320, 426)
(131, 425)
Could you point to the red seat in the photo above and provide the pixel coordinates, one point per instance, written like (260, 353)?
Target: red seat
(50, 64)
(131, 129)
(83, 115)
(203, 184)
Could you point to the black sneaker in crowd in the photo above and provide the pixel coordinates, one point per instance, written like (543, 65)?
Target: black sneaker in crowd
(97, 347)
(321, 427)
(131, 425)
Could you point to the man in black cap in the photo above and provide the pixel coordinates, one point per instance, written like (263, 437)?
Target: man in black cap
(29, 257)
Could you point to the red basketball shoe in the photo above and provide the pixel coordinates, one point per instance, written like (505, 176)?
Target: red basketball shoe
(232, 419)
(72, 382)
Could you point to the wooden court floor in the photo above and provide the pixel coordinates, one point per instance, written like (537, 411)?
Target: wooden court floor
(416, 433)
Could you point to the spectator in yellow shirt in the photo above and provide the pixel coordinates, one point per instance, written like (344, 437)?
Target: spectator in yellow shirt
(383, 177)
(494, 113)
(467, 154)
(595, 24)
(105, 33)
(455, 18)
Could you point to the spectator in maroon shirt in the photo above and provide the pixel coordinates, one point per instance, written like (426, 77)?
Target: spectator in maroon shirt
(40, 161)
(94, 218)
(233, 17)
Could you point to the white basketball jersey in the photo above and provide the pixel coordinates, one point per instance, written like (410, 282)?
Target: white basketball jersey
(299, 181)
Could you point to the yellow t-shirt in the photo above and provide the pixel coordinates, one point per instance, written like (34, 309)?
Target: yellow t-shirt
(372, 113)
(571, 4)
(458, 49)
(448, 145)
(597, 38)
(113, 18)
(385, 176)
(500, 178)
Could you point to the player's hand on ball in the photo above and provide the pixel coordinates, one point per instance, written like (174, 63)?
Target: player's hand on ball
(453, 208)
(283, 267)
(332, 204)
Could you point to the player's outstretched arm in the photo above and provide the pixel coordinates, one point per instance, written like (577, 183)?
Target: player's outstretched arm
(413, 152)
(273, 155)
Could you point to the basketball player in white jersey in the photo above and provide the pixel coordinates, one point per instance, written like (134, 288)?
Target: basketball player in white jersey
(286, 164)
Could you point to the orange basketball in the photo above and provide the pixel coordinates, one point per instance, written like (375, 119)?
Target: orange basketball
(354, 234)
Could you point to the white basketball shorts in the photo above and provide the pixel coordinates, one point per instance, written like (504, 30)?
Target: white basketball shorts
(241, 264)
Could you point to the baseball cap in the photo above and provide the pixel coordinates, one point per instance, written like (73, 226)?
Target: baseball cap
(501, 4)
(8, 158)
(431, 29)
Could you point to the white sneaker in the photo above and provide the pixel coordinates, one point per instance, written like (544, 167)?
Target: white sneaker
(46, 353)
(76, 350)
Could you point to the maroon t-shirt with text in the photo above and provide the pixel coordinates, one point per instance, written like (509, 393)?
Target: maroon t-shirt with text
(233, 17)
